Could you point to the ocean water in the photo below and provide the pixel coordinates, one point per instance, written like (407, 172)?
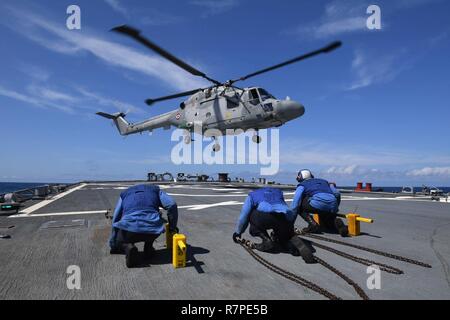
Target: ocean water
(6, 187)
(398, 189)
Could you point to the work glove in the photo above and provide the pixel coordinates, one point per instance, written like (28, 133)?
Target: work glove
(236, 236)
(174, 230)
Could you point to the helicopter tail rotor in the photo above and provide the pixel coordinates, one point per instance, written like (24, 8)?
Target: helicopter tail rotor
(118, 119)
(111, 116)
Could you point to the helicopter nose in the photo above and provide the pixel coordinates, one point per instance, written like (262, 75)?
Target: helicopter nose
(290, 109)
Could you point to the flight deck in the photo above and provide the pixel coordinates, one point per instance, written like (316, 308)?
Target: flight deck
(70, 228)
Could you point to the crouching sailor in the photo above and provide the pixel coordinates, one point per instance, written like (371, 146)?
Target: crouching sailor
(266, 209)
(137, 219)
(320, 197)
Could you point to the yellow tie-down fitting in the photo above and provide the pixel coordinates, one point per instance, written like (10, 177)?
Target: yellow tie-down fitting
(353, 221)
(179, 251)
(176, 242)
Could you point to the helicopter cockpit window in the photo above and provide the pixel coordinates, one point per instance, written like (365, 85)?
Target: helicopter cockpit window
(253, 97)
(265, 95)
(232, 102)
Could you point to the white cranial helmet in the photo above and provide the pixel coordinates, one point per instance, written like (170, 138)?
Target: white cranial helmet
(304, 174)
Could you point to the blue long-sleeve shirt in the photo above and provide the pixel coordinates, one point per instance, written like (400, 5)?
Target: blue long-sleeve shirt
(166, 202)
(328, 202)
(263, 207)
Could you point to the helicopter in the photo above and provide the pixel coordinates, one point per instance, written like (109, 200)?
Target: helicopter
(221, 106)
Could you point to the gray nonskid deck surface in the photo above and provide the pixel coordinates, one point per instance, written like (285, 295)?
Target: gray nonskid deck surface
(33, 262)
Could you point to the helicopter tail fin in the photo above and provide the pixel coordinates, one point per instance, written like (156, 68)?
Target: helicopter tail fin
(119, 120)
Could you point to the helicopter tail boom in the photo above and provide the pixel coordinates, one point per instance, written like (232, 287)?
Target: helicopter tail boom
(165, 121)
(119, 120)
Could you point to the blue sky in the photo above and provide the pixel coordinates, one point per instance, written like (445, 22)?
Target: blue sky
(377, 109)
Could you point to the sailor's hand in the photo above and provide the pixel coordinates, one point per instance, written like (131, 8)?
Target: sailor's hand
(236, 236)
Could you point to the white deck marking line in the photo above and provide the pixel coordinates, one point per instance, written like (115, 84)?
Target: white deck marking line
(111, 184)
(103, 188)
(210, 205)
(206, 195)
(391, 199)
(43, 203)
(57, 214)
(201, 188)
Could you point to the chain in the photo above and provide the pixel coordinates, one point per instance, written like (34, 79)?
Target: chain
(357, 288)
(366, 262)
(248, 246)
(378, 252)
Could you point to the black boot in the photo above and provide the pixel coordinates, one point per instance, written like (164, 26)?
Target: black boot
(312, 227)
(289, 247)
(267, 245)
(148, 249)
(131, 255)
(302, 249)
(341, 227)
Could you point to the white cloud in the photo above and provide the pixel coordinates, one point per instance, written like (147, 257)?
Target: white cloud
(322, 154)
(213, 7)
(69, 42)
(56, 45)
(48, 98)
(350, 16)
(153, 17)
(34, 100)
(333, 28)
(430, 171)
(349, 170)
(50, 94)
(34, 72)
(339, 17)
(117, 6)
(375, 69)
(109, 102)
(18, 96)
(348, 163)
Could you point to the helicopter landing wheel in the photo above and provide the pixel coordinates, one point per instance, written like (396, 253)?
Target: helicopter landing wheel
(256, 139)
(216, 147)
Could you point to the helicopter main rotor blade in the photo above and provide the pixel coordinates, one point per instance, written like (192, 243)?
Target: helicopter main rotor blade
(136, 34)
(329, 48)
(172, 96)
